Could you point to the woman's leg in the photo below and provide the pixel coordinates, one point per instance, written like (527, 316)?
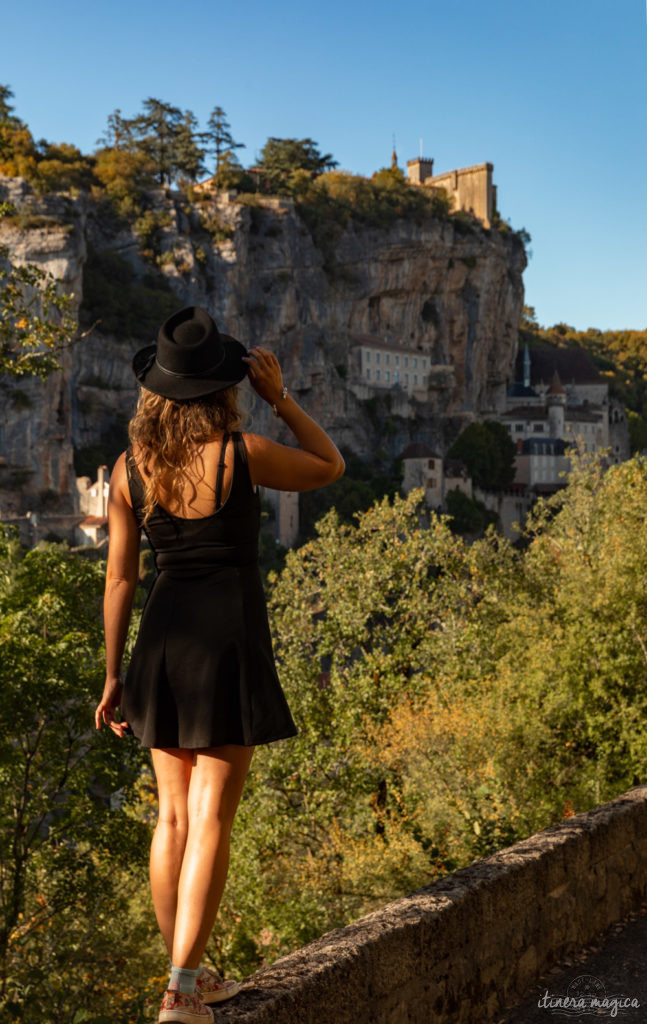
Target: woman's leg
(217, 780)
(173, 773)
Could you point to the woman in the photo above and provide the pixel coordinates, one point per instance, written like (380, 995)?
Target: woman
(201, 689)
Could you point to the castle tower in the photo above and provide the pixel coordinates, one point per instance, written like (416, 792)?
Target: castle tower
(419, 169)
(556, 402)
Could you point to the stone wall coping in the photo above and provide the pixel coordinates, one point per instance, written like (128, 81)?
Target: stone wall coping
(474, 938)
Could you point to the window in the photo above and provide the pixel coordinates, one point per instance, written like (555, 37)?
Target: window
(415, 360)
(431, 481)
(406, 378)
(397, 360)
(367, 353)
(538, 428)
(406, 360)
(377, 374)
(424, 382)
(415, 380)
(377, 357)
(424, 364)
(518, 427)
(430, 463)
(396, 376)
(387, 375)
(368, 374)
(387, 357)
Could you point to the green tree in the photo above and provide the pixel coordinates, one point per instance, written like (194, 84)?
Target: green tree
(167, 136)
(281, 158)
(71, 853)
(219, 140)
(488, 452)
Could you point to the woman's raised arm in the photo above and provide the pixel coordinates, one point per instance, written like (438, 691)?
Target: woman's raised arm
(316, 463)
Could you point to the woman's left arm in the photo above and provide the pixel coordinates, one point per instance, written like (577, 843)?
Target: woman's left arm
(121, 582)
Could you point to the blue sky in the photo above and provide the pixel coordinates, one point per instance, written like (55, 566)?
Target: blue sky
(552, 92)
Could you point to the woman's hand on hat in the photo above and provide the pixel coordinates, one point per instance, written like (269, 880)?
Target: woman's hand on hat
(264, 373)
(105, 711)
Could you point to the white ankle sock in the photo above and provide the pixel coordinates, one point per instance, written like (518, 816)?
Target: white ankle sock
(183, 979)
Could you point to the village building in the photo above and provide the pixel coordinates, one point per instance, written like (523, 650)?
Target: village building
(93, 504)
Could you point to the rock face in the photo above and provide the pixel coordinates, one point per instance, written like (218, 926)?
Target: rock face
(439, 287)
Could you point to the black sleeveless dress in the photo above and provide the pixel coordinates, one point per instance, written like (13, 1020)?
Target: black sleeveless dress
(202, 672)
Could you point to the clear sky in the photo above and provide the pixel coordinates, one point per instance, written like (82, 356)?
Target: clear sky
(552, 92)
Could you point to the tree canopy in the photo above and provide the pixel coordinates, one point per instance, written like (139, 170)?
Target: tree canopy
(488, 452)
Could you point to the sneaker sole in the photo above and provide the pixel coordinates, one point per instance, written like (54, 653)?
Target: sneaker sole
(219, 995)
(184, 1017)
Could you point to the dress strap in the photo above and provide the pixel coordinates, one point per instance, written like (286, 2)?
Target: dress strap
(221, 467)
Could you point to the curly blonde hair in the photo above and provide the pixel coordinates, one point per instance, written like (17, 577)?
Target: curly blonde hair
(170, 434)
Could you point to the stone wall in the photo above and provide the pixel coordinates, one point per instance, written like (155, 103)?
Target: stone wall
(472, 944)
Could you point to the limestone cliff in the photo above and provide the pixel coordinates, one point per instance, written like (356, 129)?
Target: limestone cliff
(441, 287)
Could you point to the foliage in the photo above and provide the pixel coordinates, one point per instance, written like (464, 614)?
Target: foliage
(36, 323)
(219, 141)
(364, 482)
(451, 698)
(72, 855)
(488, 452)
(467, 515)
(281, 159)
(120, 303)
(332, 202)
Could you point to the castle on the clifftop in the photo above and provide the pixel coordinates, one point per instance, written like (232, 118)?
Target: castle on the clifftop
(470, 187)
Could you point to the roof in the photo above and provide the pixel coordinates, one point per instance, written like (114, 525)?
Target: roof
(556, 386)
(574, 366)
(391, 346)
(519, 390)
(578, 414)
(418, 450)
(455, 467)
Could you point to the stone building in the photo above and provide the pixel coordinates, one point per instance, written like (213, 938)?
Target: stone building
(470, 187)
(93, 504)
(558, 395)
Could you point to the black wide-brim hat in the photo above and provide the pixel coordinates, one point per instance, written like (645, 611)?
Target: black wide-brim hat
(192, 358)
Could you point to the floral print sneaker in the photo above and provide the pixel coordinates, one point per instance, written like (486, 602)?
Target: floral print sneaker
(185, 1009)
(212, 989)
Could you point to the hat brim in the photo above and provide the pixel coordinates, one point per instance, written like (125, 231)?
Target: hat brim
(230, 371)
